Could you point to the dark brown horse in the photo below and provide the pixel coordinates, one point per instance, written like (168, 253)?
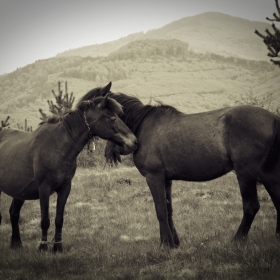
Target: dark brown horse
(201, 147)
(33, 165)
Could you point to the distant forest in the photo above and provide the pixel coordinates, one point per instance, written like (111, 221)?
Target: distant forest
(34, 81)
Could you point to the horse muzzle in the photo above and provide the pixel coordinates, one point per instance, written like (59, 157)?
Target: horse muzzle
(126, 145)
(127, 149)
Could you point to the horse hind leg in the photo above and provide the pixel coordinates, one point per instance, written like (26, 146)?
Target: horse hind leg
(168, 188)
(248, 189)
(14, 217)
(271, 183)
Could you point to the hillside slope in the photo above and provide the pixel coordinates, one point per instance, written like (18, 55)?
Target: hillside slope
(102, 49)
(206, 33)
(160, 69)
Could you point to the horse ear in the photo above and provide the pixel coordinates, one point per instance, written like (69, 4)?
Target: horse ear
(106, 89)
(103, 103)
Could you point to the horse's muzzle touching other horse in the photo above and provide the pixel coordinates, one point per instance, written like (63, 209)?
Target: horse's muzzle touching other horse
(33, 165)
(201, 147)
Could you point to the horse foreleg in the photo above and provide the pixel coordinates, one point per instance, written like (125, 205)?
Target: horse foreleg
(44, 195)
(251, 205)
(168, 188)
(14, 217)
(62, 196)
(156, 184)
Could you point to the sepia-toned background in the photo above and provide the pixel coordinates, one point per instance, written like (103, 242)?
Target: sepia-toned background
(194, 55)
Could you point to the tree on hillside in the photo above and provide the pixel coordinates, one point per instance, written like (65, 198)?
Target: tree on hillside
(272, 41)
(26, 127)
(63, 103)
(5, 123)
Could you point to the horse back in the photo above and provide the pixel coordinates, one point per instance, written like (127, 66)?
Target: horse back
(11, 139)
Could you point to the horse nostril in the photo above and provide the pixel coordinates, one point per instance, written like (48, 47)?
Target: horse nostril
(136, 142)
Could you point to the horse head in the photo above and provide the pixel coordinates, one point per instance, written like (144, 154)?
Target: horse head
(102, 118)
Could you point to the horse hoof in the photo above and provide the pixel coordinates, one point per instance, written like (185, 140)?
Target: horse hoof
(177, 244)
(57, 248)
(240, 240)
(16, 245)
(43, 247)
(167, 245)
(176, 241)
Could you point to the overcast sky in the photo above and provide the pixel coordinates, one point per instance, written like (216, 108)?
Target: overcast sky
(39, 29)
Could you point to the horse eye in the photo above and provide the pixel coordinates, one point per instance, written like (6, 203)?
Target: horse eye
(113, 119)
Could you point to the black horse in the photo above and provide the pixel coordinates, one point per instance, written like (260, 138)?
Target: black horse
(33, 165)
(201, 147)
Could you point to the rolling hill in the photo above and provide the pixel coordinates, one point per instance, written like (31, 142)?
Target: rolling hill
(161, 64)
(206, 33)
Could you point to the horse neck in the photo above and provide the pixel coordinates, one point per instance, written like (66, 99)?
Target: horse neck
(134, 112)
(77, 134)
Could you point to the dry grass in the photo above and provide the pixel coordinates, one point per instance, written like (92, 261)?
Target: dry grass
(111, 232)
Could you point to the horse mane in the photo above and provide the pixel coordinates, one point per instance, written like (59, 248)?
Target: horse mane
(94, 93)
(134, 111)
(72, 119)
(82, 105)
(167, 108)
(112, 104)
(52, 119)
(95, 98)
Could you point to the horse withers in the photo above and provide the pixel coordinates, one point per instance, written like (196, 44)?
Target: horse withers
(201, 147)
(33, 165)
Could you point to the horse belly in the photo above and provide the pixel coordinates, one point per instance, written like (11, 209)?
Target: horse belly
(191, 148)
(198, 171)
(15, 177)
(201, 164)
(20, 190)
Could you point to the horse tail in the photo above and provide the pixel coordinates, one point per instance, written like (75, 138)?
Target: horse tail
(274, 151)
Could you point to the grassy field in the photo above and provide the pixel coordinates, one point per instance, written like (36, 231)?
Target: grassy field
(111, 232)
